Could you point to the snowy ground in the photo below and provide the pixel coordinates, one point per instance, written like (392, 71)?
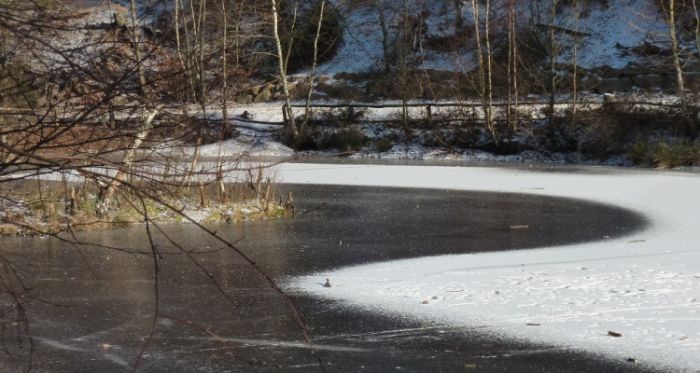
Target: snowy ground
(646, 286)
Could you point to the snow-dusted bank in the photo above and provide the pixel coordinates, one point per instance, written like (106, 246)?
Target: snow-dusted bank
(644, 288)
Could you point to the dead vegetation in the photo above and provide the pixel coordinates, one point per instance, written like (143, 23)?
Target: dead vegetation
(43, 207)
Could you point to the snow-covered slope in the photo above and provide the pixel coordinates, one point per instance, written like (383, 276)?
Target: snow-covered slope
(620, 23)
(611, 28)
(624, 23)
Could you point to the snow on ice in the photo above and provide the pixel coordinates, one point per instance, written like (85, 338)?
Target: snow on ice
(635, 297)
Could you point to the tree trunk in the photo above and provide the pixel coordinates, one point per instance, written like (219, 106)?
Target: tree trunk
(515, 64)
(288, 114)
(697, 27)
(482, 71)
(178, 45)
(385, 35)
(136, 40)
(489, 87)
(145, 123)
(509, 70)
(312, 76)
(202, 69)
(575, 63)
(676, 50)
(106, 196)
(224, 72)
(291, 38)
(553, 59)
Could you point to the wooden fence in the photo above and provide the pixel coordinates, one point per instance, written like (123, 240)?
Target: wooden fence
(429, 107)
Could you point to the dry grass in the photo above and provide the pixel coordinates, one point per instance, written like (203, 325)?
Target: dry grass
(49, 207)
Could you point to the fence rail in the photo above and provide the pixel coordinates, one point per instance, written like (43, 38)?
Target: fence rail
(499, 107)
(356, 105)
(427, 106)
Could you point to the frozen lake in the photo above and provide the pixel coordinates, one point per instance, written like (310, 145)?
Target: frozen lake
(95, 306)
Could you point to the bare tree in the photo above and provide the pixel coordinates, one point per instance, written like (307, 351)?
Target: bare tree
(61, 97)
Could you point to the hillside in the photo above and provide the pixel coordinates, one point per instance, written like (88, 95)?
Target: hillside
(610, 28)
(573, 81)
(430, 40)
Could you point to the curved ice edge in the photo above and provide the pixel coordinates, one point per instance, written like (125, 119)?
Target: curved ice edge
(644, 286)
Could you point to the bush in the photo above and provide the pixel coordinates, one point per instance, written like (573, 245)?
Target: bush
(615, 129)
(641, 154)
(319, 138)
(663, 155)
(344, 139)
(670, 156)
(384, 144)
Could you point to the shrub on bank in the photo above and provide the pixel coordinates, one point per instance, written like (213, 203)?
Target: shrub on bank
(664, 155)
(315, 137)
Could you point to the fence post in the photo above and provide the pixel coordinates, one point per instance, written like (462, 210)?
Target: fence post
(284, 114)
(429, 111)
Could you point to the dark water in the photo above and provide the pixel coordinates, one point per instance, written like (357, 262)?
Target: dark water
(93, 307)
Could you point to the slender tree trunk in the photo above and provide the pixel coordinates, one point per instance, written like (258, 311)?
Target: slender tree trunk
(385, 35)
(7, 82)
(291, 38)
(489, 86)
(6, 157)
(193, 52)
(697, 28)
(189, 83)
(109, 9)
(675, 47)
(553, 58)
(177, 32)
(136, 40)
(105, 198)
(178, 43)
(482, 70)
(289, 116)
(224, 71)
(403, 66)
(479, 52)
(190, 94)
(514, 43)
(575, 63)
(237, 36)
(509, 69)
(312, 76)
(202, 69)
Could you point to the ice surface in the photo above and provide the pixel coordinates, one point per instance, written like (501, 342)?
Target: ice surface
(645, 286)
